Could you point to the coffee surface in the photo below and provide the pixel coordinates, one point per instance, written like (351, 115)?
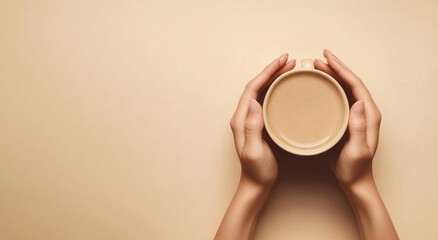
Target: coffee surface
(305, 110)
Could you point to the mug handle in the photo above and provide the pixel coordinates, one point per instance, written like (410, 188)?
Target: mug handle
(307, 64)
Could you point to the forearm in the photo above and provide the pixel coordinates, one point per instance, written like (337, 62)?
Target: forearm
(372, 216)
(241, 217)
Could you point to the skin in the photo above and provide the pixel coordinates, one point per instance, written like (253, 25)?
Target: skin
(352, 165)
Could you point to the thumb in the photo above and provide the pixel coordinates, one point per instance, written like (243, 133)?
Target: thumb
(357, 125)
(254, 125)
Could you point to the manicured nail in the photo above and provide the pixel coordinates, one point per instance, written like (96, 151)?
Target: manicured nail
(328, 51)
(333, 56)
(292, 62)
(254, 107)
(360, 107)
(283, 58)
(334, 59)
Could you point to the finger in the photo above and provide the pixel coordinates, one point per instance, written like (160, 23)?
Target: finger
(286, 68)
(322, 66)
(348, 78)
(251, 91)
(328, 53)
(267, 74)
(357, 127)
(359, 92)
(253, 131)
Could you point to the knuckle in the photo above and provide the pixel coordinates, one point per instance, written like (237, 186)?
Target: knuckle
(251, 124)
(360, 155)
(362, 131)
(379, 116)
(232, 123)
(252, 156)
(359, 126)
(249, 85)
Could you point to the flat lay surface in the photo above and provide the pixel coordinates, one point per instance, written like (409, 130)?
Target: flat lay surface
(114, 120)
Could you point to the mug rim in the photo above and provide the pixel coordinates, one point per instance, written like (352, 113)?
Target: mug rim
(328, 145)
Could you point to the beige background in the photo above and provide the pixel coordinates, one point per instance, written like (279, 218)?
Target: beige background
(114, 115)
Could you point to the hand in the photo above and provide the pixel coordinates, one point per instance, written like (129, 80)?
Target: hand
(259, 167)
(353, 167)
(355, 159)
(256, 158)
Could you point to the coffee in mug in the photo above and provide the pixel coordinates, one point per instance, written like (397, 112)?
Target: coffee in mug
(305, 111)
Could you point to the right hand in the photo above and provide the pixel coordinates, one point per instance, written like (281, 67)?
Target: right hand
(256, 158)
(354, 162)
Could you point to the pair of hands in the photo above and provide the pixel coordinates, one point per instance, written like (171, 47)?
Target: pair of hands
(353, 163)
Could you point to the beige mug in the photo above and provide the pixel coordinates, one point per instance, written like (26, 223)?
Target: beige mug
(305, 111)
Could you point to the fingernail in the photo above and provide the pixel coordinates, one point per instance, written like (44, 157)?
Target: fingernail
(291, 61)
(328, 51)
(360, 107)
(254, 107)
(283, 58)
(333, 56)
(334, 59)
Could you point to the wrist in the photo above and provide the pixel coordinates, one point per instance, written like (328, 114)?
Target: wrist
(254, 187)
(364, 181)
(254, 194)
(245, 207)
(371, 214)
(362, 191)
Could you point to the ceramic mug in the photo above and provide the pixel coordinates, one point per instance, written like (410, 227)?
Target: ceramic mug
(305, 111)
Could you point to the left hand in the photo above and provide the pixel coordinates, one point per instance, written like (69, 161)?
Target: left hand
(354, 164)
(256, 158)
